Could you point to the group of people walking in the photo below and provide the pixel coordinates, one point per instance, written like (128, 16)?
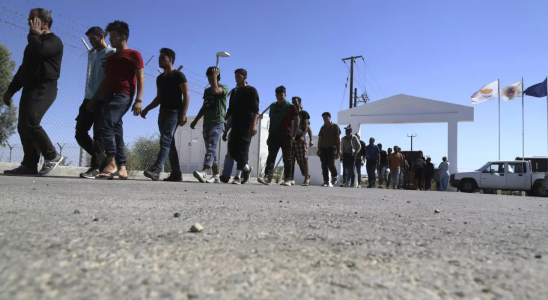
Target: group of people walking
(116, 77)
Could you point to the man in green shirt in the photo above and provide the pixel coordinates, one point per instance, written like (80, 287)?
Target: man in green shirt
(213, 110)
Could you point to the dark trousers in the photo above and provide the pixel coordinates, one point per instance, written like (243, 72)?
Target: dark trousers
(94, 147)
(358, 166)
(275, 141)
(168, 121)
(238, 146)
(34, 104)
(114, 108)
(371, 166)
(427, 182)
(348, 165)
(327, 157)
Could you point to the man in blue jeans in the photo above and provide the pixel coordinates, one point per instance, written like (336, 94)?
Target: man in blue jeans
(373, 162)
(123, 73)
(214, 111)
(173, 99)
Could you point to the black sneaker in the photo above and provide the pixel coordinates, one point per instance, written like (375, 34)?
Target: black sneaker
(22, 171)
(174, 177)
(50, 165)
(154, 175)
(224, 179)
(246, 175)
(90, 173)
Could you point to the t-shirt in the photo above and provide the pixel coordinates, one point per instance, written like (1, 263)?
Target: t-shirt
(384, 158)
(287, 120)
(215, 105)
(243, 106)
(419, 163)
(330, 135)
(395, 161)
(120, 72)
(97, 70)
(171, 96)
(304, 119)
(372, 151)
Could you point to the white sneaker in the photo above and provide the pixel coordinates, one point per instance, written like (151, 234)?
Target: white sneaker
(237, 181)
(286, 183)
(200, 176)
(333, 180)
(327, 184)
(214, 179)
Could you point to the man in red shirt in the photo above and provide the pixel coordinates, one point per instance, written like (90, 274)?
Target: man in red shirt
(282, 112)
(123, 71)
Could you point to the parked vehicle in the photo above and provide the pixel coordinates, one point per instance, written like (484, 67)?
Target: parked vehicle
(515, 175)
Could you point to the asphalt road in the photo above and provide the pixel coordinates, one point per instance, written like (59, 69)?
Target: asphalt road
(265, 242)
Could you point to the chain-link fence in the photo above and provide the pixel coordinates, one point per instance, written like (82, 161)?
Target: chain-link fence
(141, 136)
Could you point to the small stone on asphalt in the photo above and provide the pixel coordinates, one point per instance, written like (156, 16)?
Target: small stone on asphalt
(196, 228)
(176, 215)
(437, 211)
(76, 212)
(538, 256)
(95, 219)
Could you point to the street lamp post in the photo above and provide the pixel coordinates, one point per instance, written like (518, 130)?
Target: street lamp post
(221, 54)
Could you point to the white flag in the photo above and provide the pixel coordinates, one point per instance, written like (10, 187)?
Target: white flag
(512, 91)
(486, 93)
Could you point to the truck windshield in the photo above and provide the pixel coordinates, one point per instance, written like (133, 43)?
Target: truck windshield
(483, 167)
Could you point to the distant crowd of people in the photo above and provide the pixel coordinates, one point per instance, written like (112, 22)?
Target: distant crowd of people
(116, 75)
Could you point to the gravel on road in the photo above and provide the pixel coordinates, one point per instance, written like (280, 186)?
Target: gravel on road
(71, 238)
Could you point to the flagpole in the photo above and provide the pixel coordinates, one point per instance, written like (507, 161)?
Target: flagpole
(522, 122)
(498, 80)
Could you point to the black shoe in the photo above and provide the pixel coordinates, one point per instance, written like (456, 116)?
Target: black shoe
(154, 175)
(174, 177)
(90, 173)
(22, 171)
(50, 165)
(224, 179)
(246, 175)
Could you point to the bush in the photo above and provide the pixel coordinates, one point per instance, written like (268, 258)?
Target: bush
(142, 155)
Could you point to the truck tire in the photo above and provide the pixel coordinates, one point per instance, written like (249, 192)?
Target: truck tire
(539, 190)
(468, 186)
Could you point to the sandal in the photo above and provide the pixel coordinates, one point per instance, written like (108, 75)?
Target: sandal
(105, 175)
(117, 176)
(306, 183)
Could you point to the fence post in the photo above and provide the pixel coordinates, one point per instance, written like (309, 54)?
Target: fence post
(82, 153)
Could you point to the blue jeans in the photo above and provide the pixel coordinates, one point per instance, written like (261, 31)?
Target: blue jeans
(348, 164)
(115, 107)
(212, 132)
(444, 181)
(168, 120)
(371, 166)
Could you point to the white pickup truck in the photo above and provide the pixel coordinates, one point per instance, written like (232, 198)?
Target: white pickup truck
(516, 175)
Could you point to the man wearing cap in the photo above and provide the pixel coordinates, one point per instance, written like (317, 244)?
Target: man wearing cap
(300, 148)
(373, 162)
(350, 149)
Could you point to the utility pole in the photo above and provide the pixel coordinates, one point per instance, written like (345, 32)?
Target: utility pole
(352, 58)
(412, 136)
(355, 97)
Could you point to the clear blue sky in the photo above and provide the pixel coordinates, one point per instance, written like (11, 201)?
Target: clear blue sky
(440, 50)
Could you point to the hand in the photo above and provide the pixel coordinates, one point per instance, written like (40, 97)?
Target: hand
(215, 72)
(92, 105)
(293, 139)
(7, 98)
(182, 120)
(225, 136)
(338, 155)
(144, 113)
(311, 143)
(137, 108)
(36, 25)
(193, 124)
(319, 153)
(253, 131)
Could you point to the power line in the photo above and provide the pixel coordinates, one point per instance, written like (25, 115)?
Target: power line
(345, 86)
(374, 78)
(372, 88)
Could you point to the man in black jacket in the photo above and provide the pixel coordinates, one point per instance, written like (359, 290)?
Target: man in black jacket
(38, 76)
